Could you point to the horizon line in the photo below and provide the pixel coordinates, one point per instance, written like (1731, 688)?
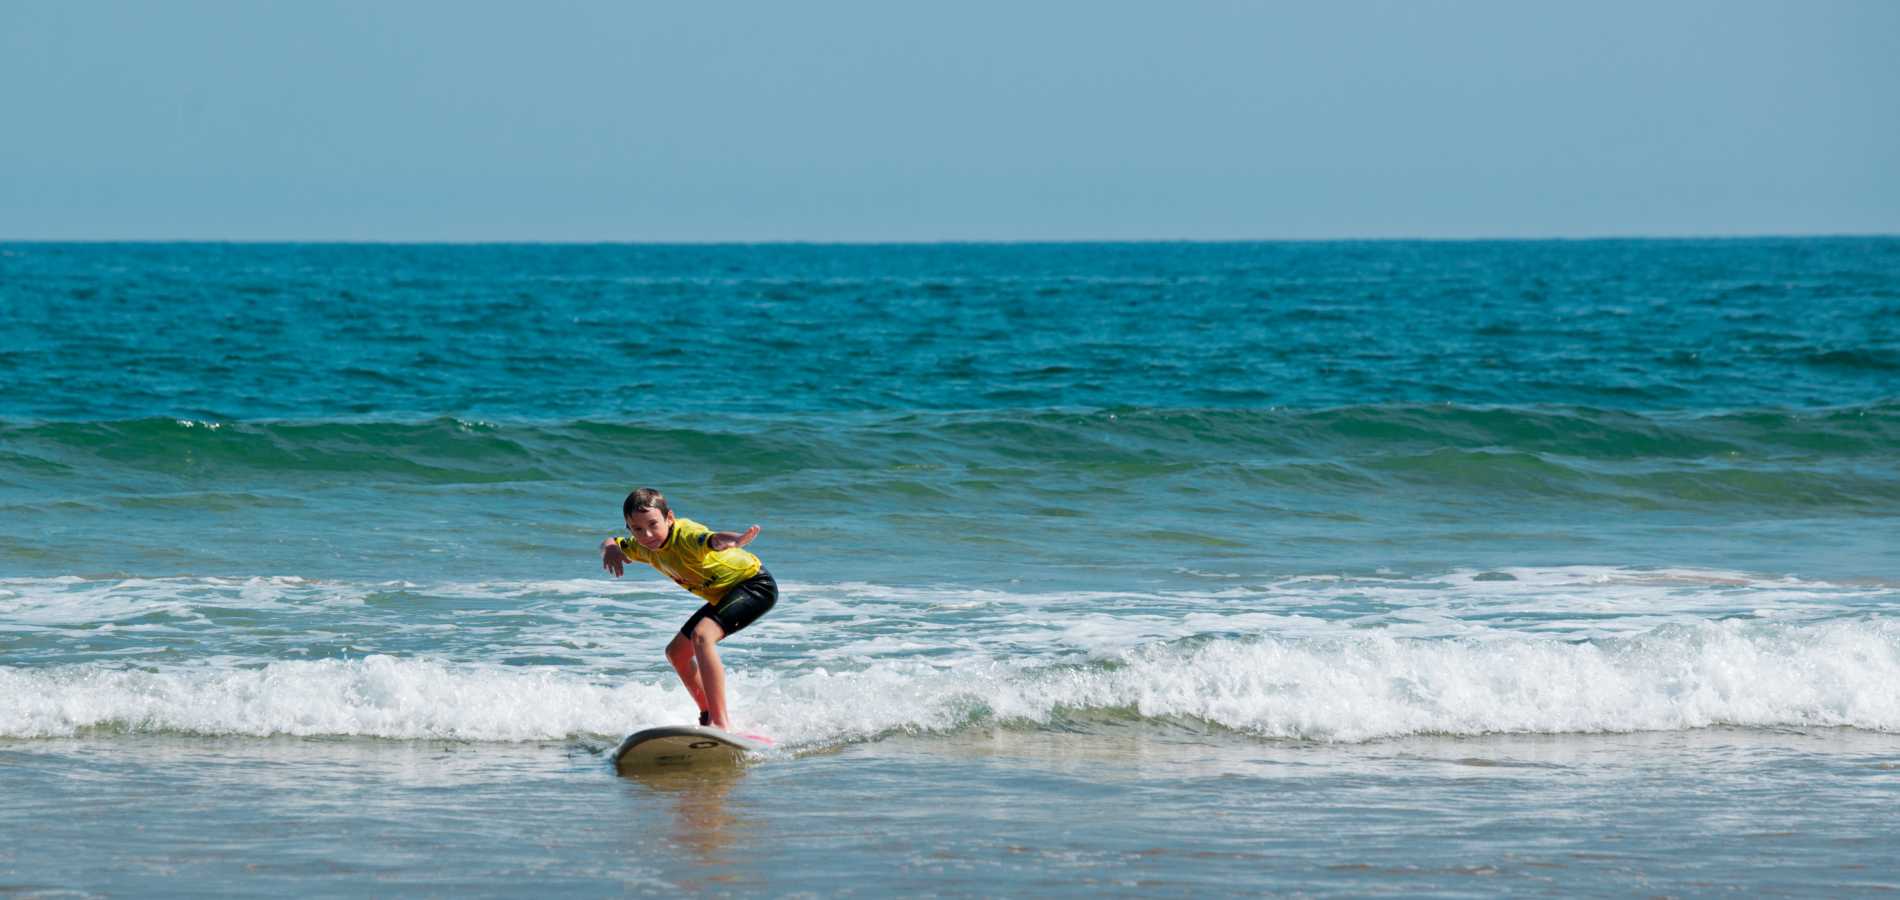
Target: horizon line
(945, 242)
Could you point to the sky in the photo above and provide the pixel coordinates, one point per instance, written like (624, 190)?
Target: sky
(430, 120)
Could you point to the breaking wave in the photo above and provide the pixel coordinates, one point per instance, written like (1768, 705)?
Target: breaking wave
(1350, 688)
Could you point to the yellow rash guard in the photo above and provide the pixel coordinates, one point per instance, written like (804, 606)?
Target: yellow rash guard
(686, 559)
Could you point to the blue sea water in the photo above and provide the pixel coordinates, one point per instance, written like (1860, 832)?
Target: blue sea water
(1442, 568)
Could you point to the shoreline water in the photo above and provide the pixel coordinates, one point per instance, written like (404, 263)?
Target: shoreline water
(1008, 810)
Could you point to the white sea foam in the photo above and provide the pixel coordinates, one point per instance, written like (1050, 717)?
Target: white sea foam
(1377, 685)
(1371, 685)
(378, 696)
(600, 625)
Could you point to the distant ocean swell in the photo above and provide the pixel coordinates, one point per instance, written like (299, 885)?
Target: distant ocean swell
(1846, 457)
(1366, 687)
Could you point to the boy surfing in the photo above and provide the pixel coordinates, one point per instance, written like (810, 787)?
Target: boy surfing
(710, 564)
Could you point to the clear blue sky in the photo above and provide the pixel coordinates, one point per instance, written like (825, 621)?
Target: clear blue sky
(679, 121)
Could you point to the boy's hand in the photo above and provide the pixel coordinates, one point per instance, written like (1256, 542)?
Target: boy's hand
(612, 558)
(726, 540)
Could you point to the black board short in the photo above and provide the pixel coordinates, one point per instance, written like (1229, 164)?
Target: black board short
(743, 605)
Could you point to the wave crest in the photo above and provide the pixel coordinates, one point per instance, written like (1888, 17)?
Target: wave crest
(1334, 689)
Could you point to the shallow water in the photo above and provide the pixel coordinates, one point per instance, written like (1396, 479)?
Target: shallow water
(1007, 810)
(1449, 568)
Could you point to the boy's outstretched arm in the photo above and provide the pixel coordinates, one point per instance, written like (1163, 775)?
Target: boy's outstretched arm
(612, 558)
(726, 540)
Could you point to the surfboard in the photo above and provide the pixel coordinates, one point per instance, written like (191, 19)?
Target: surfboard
(685, 745)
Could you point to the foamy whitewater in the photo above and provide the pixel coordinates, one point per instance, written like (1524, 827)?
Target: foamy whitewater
(1351, 569)
(1551, 651)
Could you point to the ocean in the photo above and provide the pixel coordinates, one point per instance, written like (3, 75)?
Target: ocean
(1422, 568)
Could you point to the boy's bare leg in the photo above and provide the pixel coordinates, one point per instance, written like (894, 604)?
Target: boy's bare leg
(712, 675)
(679, 652)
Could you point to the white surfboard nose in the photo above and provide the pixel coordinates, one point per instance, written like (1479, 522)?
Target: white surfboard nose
(685, 745)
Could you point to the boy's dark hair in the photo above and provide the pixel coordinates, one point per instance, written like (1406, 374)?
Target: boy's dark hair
(644, 498)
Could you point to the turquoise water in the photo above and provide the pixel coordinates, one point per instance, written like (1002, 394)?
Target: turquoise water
(1331, 568)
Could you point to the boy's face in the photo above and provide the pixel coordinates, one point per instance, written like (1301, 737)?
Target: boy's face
(650, 527)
